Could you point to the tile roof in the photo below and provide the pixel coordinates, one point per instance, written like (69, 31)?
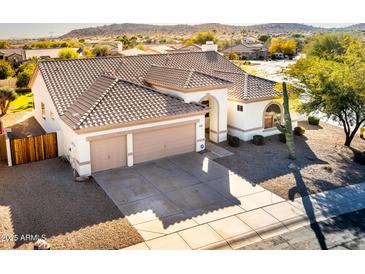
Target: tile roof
(182, 78)
(67, 80)
(9, 52)
(248, 87)
(132, 52)
(245, 48)
(112, 101)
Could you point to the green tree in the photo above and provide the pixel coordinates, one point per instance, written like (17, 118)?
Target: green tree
(25, 73)
(280, 45)
(5, 70)
(333, 80)
(128, 42)
(4, 44)
(201, 38)
(7, 95)
(100, 51)
(68, 54)
(328, 46)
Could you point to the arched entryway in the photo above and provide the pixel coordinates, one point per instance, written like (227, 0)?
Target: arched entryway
(272, 114)
(211, 118)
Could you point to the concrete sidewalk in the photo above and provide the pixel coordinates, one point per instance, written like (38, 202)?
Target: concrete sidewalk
(235, 231)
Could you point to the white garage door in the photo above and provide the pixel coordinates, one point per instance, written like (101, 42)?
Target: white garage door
(159, 143)
(108, 153)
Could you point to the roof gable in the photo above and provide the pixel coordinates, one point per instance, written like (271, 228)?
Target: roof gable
(114, 101)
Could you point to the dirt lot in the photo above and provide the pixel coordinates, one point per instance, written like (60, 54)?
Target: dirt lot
(42, 198)
(323, 162)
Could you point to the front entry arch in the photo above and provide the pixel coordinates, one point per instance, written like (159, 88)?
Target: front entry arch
(212, 118)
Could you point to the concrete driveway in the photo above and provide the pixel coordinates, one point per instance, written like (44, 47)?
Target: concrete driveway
(194, 200)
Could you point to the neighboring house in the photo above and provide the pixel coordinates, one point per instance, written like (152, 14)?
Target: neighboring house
(247, 51)
(44, 53)
(13, 56)
(188, 48)
(158, 49)
(120, 111)
(133, 52)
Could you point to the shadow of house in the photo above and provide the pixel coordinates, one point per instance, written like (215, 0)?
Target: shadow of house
(43, 198)
(257, 164)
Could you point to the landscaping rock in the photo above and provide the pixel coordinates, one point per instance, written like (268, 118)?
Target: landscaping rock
(83, 179)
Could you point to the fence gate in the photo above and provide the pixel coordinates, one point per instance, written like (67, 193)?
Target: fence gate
(3, 154)
(35, 148)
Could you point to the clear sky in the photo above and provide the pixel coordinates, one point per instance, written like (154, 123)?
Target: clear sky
(36, 30)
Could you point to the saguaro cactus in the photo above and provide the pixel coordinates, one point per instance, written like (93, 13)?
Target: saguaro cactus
(287, 129)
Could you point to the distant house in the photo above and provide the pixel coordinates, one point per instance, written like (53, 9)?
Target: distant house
(133, 52)
(188, 48)
(248, 51)
(13, 56)
(157, 49)
(44, 53)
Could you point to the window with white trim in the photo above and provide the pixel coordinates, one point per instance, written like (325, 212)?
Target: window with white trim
(239, 108)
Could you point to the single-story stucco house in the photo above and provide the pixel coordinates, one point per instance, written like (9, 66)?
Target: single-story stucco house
(120, 111)
(249, 51)
(13, 56)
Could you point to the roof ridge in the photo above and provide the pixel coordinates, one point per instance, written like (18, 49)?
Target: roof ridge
(87, 113)
(192, 71)
(245, 92)
(186, 84)
(262, 78)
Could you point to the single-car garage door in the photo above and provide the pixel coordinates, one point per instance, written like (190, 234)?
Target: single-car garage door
(159, 143)
(108, 153)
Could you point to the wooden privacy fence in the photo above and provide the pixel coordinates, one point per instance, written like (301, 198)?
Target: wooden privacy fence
(35, 148)
(3, 155)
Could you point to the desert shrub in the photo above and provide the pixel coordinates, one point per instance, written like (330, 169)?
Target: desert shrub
(299, 131)
(282, 138)
(258, 140)
(233, 141)
(359, 157)
(68, 54)
(5, 69)
(313, 120)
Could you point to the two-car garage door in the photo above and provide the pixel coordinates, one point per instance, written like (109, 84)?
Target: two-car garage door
(156, 144)
(148, 145)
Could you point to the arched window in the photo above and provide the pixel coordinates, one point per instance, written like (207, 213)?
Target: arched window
(272, 116)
